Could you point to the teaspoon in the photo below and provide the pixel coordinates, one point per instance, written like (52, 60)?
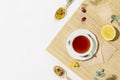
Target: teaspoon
(61, 12)
(60, 72)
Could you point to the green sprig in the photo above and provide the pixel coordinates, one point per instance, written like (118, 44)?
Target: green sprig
(115, 18)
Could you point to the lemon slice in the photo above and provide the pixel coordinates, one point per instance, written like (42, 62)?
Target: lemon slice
(108, 32)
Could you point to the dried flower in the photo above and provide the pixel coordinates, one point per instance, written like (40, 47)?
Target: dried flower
(83, 10)
(74, 64)
(83, 19)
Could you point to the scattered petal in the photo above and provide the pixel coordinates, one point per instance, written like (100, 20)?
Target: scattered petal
(74, 64)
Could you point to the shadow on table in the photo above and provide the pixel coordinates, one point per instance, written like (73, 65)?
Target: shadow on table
(117, 34)
(115, 77)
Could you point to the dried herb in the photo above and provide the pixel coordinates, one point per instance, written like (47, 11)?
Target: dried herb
(95, 78)
(115, 18)
(101, 70)
(100, 73)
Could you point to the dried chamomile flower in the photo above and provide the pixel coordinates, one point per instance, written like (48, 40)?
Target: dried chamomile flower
(60, 13)
(74, 64)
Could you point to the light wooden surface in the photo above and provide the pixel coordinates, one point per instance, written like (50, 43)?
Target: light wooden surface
(97, 16)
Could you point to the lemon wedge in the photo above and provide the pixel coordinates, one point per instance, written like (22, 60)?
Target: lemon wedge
(108, 32)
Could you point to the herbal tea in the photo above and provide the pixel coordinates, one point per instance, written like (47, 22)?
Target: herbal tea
(81, 44)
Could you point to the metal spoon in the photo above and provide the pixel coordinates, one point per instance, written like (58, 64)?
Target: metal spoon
(61, 12)
(60, 72)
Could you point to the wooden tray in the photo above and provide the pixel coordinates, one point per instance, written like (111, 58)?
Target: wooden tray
(97, 16)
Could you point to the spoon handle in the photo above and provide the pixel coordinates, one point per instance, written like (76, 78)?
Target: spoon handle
(69, 2)
(68, 78)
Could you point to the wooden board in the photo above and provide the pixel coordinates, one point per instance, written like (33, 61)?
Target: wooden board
(97, 16)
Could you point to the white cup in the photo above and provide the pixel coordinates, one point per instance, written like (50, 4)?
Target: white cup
(72, 37)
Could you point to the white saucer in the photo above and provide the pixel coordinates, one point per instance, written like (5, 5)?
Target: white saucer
(93, 41)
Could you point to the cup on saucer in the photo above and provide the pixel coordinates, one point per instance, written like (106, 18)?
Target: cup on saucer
(81, 44)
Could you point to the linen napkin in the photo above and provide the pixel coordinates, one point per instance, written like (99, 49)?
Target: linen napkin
(107, 51)
(97, 59)
(103, 55)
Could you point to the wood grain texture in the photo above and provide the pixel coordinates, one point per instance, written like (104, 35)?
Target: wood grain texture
(97, 16)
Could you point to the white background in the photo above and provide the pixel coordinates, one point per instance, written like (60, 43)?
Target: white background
(26, 29)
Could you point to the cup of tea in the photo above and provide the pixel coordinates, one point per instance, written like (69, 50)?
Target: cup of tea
(81, 43)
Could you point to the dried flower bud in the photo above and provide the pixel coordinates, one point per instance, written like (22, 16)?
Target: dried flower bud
(83, 10)
(83, 19)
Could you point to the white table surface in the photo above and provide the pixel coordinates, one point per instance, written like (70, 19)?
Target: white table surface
(26, 29)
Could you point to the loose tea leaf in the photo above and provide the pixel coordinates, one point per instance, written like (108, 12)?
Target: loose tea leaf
(59, 71)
